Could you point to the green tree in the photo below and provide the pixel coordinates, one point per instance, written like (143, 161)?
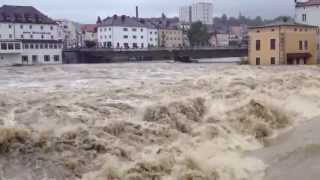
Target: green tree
(198, 34)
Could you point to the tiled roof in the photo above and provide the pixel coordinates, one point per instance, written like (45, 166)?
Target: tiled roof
(89, 28)
(123, 20)
(308, 3)
(283, 23)
(23, 14)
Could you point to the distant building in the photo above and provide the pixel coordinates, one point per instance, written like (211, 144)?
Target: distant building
(27, 36)
(219, 40)
(283, 43)
(123, 32)
(185, 14)
(170, 35)
(202, 11)
(70, 32)
(89, 33)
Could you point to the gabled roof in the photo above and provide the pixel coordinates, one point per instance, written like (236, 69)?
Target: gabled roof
(283, 23)
(308, 3)
(23, 14)
(123, 21)
(89, 28)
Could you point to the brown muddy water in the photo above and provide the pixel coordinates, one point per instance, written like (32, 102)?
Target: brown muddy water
(159, 121)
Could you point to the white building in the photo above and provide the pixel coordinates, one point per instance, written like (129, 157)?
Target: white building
(308, 12)
(185, 14)
(28, 37)
(70, 33)
(202, 10)
(89, 34)
(126, 32)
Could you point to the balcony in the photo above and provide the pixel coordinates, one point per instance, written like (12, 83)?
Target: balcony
(10, 47)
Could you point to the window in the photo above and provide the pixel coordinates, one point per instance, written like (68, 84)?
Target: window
(300, 45)
(134, 37)
(10, 36)
(46, 46)
(17, 46)
(34, 58)
(10, 46)
(273, 60)
(26, 46)
(51, 28)
(31, 36)
(257, 61)
(10, 26)
(22, 36)
(21, 26)
(41, 46)
(31, 46)
(272, 44)
(51, 37)
(306, 46)
(125, 37)
(141, 30)
(110, 37)
(41, 27)
(55, 46)
(56, 58)
(30, 27)
(141, 37)
(24, 59)
(4, 46)
(304, 17)
(258, 45)
(42, 36)
(109, 29)
(125, 29)
(50, 46)
(46, 58)
(37, 46)
(134, 29)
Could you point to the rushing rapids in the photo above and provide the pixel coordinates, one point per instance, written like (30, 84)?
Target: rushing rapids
(152, 121)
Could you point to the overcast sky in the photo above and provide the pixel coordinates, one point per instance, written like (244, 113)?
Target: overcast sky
(86, 11)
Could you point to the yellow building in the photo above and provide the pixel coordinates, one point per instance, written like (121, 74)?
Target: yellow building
(171, 38)
(283, 43)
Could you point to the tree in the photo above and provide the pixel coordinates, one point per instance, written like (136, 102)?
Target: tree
(198, 34)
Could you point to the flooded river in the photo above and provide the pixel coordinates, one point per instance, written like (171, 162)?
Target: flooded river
(159, 121)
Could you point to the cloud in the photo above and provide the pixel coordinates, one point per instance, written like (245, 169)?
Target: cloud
(86, 11)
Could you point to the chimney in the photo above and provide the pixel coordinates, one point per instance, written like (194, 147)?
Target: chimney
(137, 12)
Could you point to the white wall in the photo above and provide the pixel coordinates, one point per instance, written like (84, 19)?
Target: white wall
(312, 14)
(202, 11)
(153, 37)
(115, 35)
(185, 14)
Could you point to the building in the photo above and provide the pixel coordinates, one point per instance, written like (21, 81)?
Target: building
(123, 32)
(70, 33)
(27, 36)
(219, 40)
(171, 38)
(185, 14)
(170, 35)
(89, 34)
(202, 11)
(283, 43)
(308, 12)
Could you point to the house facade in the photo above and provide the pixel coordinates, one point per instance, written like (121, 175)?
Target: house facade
(308, 12)
(89, 34)
(28, 37)
(125, 32)
(283, 43)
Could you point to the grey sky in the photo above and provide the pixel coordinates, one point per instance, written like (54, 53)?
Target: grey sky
(86, 11)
